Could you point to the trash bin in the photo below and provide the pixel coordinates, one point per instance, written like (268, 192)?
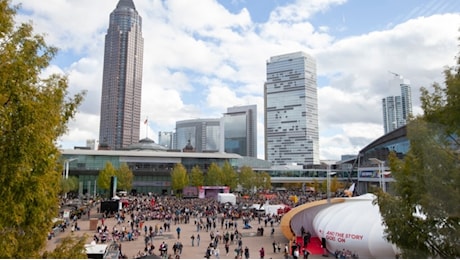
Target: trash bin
(93, 224)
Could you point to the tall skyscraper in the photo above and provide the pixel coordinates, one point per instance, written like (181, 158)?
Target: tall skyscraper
(122, 78)
(291, 110)
(203, 134)
(397, 109)
(240, 130)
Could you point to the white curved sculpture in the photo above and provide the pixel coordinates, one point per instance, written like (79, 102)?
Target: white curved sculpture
(354, 225)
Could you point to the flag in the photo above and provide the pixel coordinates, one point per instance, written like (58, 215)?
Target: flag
(146, 121)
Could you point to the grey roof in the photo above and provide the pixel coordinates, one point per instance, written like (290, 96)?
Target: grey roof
(146, 144)
(126, 3)
(150, 153)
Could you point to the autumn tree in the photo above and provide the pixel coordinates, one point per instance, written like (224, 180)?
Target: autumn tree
(34, 112)
(246, 178)
(214, 175)
(103, 180)
(179, 179)
(71, 247)
(262, 180)
(196, 177)
(69, 184)
(422, 218)
(229, 176)
(124, 177)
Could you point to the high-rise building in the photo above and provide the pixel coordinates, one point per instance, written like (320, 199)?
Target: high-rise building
(397, 109)
(204, 135)
(166, 139)
(291, 110)
(122, 78)
(240, 130)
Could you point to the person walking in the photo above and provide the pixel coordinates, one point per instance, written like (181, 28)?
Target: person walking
(262, 253)
(178, 232)
(193, 240)
(246, 252)
(198, 240)
(227, 248)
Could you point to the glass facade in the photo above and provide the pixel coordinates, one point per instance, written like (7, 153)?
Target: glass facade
(291, 110)
(397, 109)
(166, 139)
(240, 130)
(204, 134)
(152, 170)
(235, 134)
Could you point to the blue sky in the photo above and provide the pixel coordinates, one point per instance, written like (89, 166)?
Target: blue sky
(204, 56)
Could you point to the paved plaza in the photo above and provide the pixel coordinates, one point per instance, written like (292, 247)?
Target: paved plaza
(131, 249)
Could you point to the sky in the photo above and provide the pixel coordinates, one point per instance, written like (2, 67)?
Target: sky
(203, 56)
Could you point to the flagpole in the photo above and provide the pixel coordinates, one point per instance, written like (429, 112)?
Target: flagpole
(146, 123)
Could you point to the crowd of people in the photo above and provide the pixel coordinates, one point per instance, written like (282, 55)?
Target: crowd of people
(222, 222)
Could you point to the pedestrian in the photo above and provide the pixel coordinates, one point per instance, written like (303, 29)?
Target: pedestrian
(178, 232)
(227, 248)
(217, 253)
(198, 239)
(246, 252)
(262, 253)
(305, 253)
(296, 253)
(274, 246)
(193, 240)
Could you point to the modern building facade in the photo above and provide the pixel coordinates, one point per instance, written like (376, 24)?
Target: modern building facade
(240, 130)
(204, 135)
(150, 164)
(122, 78)
(291, 110)
(397, 109)
(166, 139)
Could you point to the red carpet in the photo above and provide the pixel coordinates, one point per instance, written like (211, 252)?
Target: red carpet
(314, 247)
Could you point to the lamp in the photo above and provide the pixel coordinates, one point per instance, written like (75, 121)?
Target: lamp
(328, 182)
(380, 165)
(66, 166)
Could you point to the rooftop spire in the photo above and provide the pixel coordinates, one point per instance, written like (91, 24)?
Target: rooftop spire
(126, 3)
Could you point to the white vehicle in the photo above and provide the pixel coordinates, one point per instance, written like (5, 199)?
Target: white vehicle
(226, 198)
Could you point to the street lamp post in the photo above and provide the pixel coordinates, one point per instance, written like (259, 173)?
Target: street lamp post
(328, 183)
(66, 166)
(381, 168)
(66, 170)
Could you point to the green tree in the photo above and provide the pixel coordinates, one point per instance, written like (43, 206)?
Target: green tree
(70, 247)
(246, 178)
(214, 175)
(124, 177)
(34, 112)
(335, 184)
(196, 177)
(229, 176)
(103, 180)
(423, 216)
(264, 180)
(70, 184)
(179, 178)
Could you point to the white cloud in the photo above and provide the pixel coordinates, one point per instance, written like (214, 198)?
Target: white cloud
(199, 59)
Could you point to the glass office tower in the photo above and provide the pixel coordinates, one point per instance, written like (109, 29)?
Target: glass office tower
(122, 79)
(397, 109)
(291, 110)
(240, 130)
(203, 134)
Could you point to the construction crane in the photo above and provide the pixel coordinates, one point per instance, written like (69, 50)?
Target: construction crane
(396, 74)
